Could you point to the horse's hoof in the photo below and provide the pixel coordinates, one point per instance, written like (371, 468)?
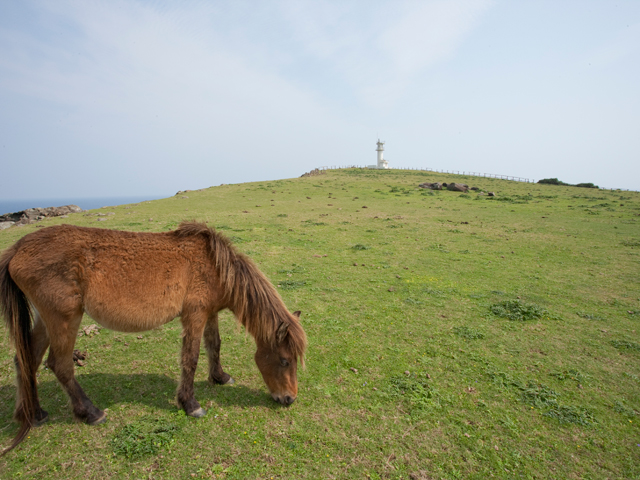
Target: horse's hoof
(41, 417)
(199, 413)
(100, 420)
(222, 381)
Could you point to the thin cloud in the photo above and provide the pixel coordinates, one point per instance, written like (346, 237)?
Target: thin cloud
(380, 51)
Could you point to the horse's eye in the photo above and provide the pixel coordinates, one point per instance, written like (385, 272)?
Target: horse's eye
(284, 363)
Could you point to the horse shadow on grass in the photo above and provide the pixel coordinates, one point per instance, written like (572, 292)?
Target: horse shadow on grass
(108, 390)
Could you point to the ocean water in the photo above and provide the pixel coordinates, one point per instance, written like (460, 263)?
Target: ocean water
(10, 206)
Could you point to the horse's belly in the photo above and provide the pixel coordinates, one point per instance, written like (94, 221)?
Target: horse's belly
(128, 312)
(131, 322)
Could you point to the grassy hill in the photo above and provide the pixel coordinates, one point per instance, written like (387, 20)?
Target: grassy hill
(450, 336)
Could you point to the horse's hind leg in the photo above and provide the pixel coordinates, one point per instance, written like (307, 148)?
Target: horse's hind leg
(192, 327)
(212, 344)
(62, 337)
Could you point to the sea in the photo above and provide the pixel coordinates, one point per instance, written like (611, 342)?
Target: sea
(11, 206)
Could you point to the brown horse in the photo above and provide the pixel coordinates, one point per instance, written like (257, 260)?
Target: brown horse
(133, 282)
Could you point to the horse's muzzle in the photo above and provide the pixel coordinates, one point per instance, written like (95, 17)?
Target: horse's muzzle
(284, 399)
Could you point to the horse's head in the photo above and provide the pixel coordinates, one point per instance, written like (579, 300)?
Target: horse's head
(278, 360)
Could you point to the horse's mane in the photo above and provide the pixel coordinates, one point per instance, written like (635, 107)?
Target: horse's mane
(252, 298)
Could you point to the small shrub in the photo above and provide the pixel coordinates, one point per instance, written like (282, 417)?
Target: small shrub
(552, 181)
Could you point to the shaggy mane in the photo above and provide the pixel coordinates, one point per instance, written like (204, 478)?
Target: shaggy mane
(253, 299)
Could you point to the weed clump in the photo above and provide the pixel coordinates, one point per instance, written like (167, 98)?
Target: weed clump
(295, 268)
(517, 311)
(570, 414)
(468, 333)
(539, 395)
(631, 243)
(588, 316)
(291, 284)
(624, 345)
(622, 409)
(312, 223)
(414, 389)
(359, 246)
(144, 437)
(571, 374)
(412, 301)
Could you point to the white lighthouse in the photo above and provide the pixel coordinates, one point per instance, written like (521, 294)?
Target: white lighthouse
(382, 163)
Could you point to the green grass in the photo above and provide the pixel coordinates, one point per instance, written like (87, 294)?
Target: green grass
(450, 336)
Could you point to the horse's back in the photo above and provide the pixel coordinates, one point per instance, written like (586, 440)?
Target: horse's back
(124, 280)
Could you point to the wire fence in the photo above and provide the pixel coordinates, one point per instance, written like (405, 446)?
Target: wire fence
(455, 172)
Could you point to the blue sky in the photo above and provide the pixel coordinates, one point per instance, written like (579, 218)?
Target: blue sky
(110, 98)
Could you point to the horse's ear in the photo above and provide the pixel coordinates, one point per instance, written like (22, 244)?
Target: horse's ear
(297, 313)
(282, 332)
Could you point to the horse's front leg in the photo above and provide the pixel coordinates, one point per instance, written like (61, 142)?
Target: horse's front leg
(192, 327)
(212, 344)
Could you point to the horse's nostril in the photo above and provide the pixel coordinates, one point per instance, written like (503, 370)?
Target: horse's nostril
(288, 400)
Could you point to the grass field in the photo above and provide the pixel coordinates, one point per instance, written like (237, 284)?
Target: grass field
(450, 336)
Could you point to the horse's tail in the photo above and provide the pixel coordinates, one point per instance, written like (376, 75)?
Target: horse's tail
(17, 314)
